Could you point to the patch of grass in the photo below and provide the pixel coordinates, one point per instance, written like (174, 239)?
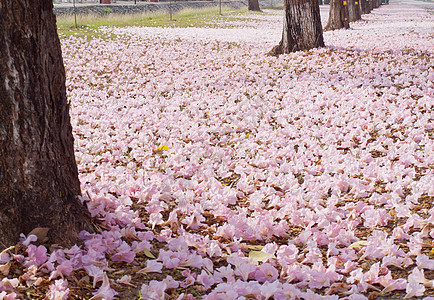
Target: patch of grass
(207, 17)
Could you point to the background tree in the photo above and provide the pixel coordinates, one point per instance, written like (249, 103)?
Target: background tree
(302, 29)
(365, 7)
(354, 10)
(254, 5)
(338, 15)
(38, 174)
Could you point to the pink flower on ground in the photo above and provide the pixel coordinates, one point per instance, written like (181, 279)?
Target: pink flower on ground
(169, 258)
(288, 291)
(6, 296)
(37, 254)
(154, 290)
(124, 253)
(424, 262)
(59, 290)
(30, 239)
(190, 278)
(4, 256)
(8, 284)
(224, 272)
(205, 279)
(193, 260)
(96, 273)
(126, 279)
(268, 289)
(266, 272)
(414, 289)
(65, 268)
(244, 270)
(105, 291)
(170, 282)
(398, 284)
(152, 266)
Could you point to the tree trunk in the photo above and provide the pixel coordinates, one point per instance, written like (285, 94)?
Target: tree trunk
(38, 174)
(365, 7)
(354, 10)
(302, 28)
(254, 5)
(338, 15)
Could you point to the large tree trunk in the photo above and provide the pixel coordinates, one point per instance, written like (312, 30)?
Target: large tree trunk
(338, 15)
(254, 5)
(38, 173)
(365, 7)
(302, 28)
(354, 10)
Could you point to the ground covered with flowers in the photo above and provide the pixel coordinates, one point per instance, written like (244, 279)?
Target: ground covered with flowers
(214, 171)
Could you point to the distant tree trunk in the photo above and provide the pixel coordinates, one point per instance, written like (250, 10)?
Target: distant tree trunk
(338, 15)
(302, 28)
(254, 5)
(38, 173)
(354, 10)
(365, 7)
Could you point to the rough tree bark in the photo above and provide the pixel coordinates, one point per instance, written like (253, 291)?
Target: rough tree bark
(354, 10)
(365, 7)
(302, 29)
(254, 5)
(38, 174)
(338, 15)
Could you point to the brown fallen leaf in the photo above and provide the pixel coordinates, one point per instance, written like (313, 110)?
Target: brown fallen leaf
(41, 233)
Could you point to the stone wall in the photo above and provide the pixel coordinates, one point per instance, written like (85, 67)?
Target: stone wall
(141, 7)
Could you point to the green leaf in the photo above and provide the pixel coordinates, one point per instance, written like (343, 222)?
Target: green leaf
(149, 254)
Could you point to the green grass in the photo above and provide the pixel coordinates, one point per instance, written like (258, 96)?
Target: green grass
(88, 24)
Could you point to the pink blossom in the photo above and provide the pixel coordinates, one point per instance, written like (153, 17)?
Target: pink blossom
(65, 268)
(268, 289)
(124, 253)
(37, 254)
(96, 273)
(170, 282)
(5, 296)
(153, 290)
(8, 284)
(424, 262)
(205, 279)
(169, 258)
(414, 289)
(288, 291)
(105, 291)
(224, 272)
(126, 279)
(58, 290)
(152, 266)
(30, 239)
(190, 278)
(397, 284)
(266, 272)
(244, 270)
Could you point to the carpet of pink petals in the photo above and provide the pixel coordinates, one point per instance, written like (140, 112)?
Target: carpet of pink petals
(306, 176)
